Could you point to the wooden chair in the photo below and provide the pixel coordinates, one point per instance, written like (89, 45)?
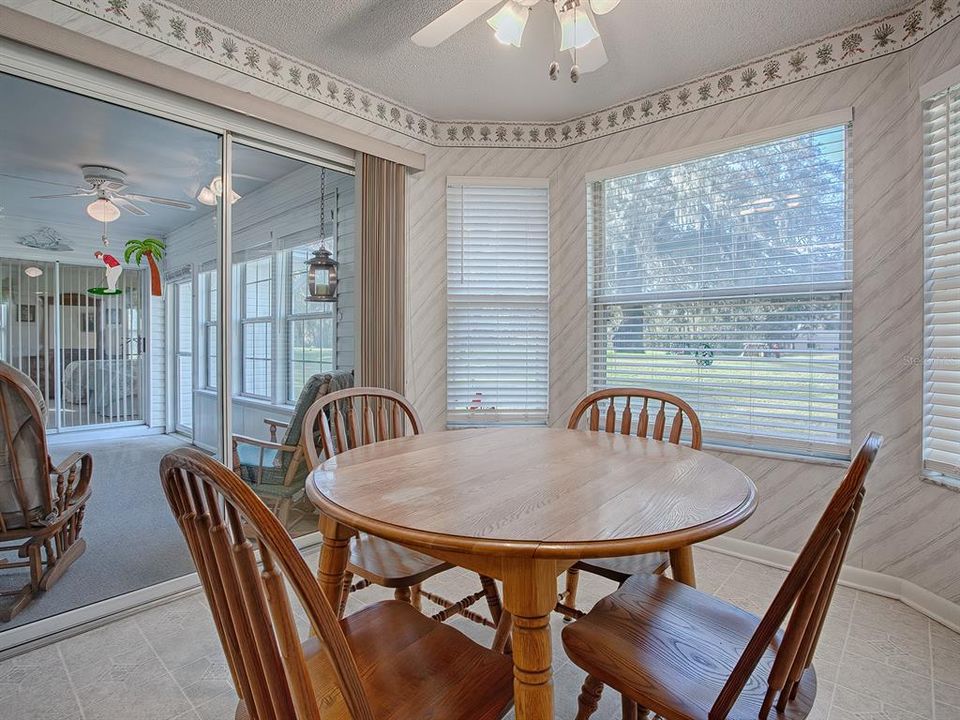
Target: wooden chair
(276, 470)
(643, 413)
(385, 662)
(687, 655)
(360, 416)
(41, 504)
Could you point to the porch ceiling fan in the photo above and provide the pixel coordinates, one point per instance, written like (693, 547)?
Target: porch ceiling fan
(578, 28)
(108, 185)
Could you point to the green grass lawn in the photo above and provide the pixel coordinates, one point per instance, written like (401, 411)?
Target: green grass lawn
(794, 382)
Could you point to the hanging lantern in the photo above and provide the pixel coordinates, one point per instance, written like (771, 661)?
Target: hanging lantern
(322, 276)
(321, 267)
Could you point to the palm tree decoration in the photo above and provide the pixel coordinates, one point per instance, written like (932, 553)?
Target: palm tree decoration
(151, 249)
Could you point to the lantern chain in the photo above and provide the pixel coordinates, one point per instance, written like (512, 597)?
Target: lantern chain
(323, 211)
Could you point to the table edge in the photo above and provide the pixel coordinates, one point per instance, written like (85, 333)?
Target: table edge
(537, 548)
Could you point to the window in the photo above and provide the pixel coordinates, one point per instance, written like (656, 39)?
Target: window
(726, 280)
(941, 231)
(497, 301)
(183, 350)
(309, 327)
(208, 328)
(256, 328)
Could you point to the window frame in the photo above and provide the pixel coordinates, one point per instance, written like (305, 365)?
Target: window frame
(779, 447)
(246, 322)
(508, 300)
(931, 470)
(290, 317)
(207, 342)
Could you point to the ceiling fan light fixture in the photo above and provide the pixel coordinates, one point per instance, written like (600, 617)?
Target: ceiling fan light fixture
(509, 22)
(102, 210)
(576, 28)
(602, 7)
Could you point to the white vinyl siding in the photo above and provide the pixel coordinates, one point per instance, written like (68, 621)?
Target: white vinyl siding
(497, 302)
(726, 279)
(941, 231)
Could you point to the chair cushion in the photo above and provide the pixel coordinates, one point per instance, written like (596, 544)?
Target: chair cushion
(413, 668)
(671, 648)
(26, 453)
(250, 471)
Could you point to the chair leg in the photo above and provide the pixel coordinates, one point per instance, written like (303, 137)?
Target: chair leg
(403, 594)
(496, 611)
(283, 512)
(589, 698)
(569, 597)
(415, 597)
(501, 638)
(630, 710)
(345, 593)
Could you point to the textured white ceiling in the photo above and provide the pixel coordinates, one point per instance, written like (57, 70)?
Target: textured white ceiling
(652, 44)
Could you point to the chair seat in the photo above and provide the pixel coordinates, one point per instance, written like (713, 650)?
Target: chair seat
(620, 568)
(671, 648)
(412, 667)
(390, 565)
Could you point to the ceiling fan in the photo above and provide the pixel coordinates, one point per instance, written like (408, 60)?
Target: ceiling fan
(578, 28)
(107, 185)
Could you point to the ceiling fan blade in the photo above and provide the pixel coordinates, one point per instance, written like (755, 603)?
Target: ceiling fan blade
(158, 201)
(78, 193)
(452, 21)
(591, 56)
(125, 204)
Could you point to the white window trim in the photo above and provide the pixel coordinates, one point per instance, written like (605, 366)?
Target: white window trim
(728, 144)
(928, 90)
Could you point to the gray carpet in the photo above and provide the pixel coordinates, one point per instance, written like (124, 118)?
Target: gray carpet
(132, 538)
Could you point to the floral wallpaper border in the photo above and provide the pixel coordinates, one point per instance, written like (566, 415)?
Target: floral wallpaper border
(175, 27)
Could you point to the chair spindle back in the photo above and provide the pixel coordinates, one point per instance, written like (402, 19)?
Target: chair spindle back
(221, 519)
(602, 409)
(807, 590)
(357, 416)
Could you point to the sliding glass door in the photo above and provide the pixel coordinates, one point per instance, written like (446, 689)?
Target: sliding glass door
(154, 286)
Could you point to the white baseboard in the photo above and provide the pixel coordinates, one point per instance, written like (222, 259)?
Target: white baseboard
(920, 599)
(66, 437)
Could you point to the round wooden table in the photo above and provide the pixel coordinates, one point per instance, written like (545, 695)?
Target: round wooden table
(523, 505)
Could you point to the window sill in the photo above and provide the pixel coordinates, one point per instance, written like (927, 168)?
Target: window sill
(775, 455)
(251, 401)
(940, 480)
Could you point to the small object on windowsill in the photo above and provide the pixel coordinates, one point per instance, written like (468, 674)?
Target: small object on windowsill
(945, 481)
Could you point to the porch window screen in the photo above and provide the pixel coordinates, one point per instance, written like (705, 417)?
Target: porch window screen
(726, 279)
(941, 230)
(497, 298)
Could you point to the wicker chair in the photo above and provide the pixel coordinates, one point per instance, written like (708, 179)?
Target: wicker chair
(41, 505)
(276, 470)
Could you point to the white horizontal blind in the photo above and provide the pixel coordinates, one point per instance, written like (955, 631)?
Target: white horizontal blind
(941, 230)
(497, 303)
(726, 280)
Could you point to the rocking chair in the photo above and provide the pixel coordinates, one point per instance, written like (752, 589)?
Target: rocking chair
(276, 471)
(41, 505)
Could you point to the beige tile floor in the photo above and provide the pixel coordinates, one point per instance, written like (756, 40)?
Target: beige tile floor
(878, 659)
